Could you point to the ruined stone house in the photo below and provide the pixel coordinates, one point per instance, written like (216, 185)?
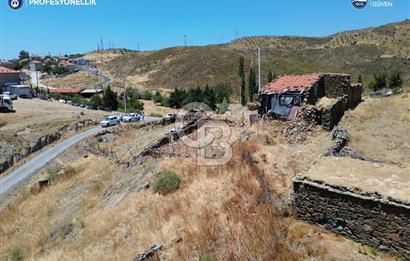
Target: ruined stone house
(327, 94)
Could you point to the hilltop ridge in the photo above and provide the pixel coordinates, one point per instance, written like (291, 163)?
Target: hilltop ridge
(363, 51)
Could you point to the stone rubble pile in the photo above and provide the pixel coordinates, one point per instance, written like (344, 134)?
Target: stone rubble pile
(297, 131)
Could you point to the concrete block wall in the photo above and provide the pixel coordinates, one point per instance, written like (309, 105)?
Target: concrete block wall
(382, 224)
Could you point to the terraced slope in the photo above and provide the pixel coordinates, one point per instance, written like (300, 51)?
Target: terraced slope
(356, 52)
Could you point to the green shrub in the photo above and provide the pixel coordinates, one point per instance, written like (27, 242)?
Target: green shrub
(374, 251)
(206, 258)
(154, 114)
(53, 173)
(16, 255)
(167, 182)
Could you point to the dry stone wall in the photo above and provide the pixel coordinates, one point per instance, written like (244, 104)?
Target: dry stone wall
(336, 85)
(364, 218)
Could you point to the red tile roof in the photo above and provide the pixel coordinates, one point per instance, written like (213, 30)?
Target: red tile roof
(7, 70)
(65, 90)
(292, 83)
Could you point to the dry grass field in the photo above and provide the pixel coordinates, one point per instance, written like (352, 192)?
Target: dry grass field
(38, 116)
(97, 205)
(75, 80)
(379, 128)
(93, 209)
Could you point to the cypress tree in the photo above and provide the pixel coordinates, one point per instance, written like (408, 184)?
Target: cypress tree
(110, 99)
(242, 76)
(270, 76)
(252, 84)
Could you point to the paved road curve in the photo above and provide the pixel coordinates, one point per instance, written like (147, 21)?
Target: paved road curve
(35, 164)
(17, 176)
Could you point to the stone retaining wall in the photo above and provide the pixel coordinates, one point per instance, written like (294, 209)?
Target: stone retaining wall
(382, 224)
(333, 113)
(354, 95)
(9, 155)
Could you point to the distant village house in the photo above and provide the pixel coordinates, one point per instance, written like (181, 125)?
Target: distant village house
(8, 76)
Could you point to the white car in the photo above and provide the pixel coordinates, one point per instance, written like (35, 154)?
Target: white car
(110, 121)
(131, 117)
(171, 115)
(10, 95)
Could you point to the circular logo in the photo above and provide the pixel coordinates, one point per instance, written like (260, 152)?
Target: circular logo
(15, 4)
(359, 4)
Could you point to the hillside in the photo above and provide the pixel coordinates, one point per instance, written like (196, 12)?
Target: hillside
(355, 52)
(76, 80)
(101, 202)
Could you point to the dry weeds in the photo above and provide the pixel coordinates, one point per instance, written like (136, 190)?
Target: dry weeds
(222, 212)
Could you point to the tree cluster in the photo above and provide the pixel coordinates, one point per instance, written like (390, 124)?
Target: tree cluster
(132, 99)
(52, 67)
(384, 80)
(210, 95)
(253, 87)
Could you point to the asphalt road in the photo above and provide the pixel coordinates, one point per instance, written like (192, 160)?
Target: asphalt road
(106, 80)
(25, 171)
(34, 81)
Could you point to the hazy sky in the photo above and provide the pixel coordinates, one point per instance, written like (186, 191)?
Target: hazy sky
(158, 24)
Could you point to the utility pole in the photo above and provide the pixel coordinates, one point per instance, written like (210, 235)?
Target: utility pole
(185, 40)
(102, 44)
(37, 78)
(101, 69)
(138, 48)
(259, 69)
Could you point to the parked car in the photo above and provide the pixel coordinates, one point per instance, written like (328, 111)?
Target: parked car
(10, 94)
(6, 104)
(131, 117)
(25, 96)
(110, 121)
(171, 115)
